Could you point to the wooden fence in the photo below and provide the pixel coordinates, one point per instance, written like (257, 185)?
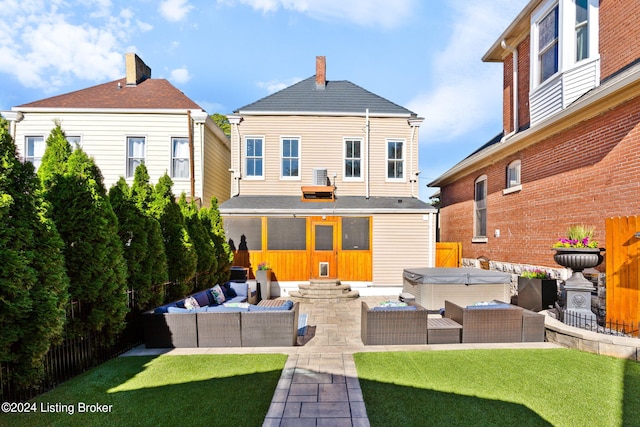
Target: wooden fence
(448, 254)
(623, 269)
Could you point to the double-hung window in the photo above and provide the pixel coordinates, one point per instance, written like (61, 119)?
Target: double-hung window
(480, 208)
(35, 146)
(290, 158)
(254, 156)
(179, 158)
(135, 153)
(582, 29)
(548, 44)
(513, 175)
(352, 158)
(395, 160)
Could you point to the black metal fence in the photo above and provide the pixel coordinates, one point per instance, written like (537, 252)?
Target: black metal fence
(599, 324)
(75, 355)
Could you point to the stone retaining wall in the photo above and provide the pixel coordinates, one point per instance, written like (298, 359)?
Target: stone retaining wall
(607, 345)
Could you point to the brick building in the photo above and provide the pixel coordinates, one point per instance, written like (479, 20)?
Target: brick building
(569, 151)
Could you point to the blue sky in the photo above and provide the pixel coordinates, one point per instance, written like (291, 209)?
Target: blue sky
(224, 54)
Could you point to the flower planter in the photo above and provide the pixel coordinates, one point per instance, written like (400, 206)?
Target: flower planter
(537, 294)
(577, 259)
(263, 280)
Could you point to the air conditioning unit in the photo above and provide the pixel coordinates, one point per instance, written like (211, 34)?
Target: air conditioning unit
(320, 177)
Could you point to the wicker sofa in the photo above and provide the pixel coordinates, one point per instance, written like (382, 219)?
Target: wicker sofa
(497, 322)
(220, 326)
(393, 326)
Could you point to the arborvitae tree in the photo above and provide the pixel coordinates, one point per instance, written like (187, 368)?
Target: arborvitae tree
(181, 256)
(212, 222)
(142, 190)
(33, 282)
(54, 159)
(93, 251)
(207, 264)
(143, 247)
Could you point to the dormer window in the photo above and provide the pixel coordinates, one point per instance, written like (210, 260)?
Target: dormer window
(548, 44)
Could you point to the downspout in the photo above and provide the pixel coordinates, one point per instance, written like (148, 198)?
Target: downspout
(192, 169)
(235, 120)
(514, 54)
(368, 152)
(412, 180)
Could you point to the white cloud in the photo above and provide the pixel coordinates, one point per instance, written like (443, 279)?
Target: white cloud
(276, 85)
(175, 10)
(466, 92)
(362, 12)
(180, 75)
(43, 47)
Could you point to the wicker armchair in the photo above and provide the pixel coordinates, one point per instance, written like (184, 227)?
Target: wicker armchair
(270, 328)
(393, 327)
(487, 324)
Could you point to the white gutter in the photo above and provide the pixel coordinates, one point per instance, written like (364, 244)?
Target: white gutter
(319, 113)
(413, 177)
(105, 110)
(12, 117)
(514, 54)
(367, 151)
(235, 120)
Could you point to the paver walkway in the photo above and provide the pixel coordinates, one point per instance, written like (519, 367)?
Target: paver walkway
(319, 385)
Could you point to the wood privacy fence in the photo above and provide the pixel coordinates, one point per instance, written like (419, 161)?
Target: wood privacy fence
(623, 269)
(448, 254)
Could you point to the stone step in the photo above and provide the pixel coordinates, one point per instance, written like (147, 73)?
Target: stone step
(324, 286)
(299, 297)
(323, 290)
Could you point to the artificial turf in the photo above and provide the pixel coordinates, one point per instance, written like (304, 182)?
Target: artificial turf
(193, 390)
(558, 387)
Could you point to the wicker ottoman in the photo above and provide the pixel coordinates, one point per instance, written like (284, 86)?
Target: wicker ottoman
(443, 331)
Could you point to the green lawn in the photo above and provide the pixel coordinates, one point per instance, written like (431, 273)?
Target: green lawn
(193, 390)
(558, 387)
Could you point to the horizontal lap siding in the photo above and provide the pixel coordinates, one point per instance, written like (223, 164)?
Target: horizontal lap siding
(401, 241)
(104, 139)
(216, 181)
(322, 147)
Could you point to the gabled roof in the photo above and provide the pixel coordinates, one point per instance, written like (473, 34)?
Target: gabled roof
(149, 94)
(336, 97)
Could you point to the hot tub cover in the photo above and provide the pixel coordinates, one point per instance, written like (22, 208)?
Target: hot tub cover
(455, 276)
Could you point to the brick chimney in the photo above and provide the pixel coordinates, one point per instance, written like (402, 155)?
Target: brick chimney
(321, 72)
(137, 70)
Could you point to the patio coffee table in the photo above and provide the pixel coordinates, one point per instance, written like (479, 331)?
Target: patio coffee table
(443, 331)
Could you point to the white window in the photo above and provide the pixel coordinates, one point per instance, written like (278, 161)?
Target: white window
(135, 153)
(480, 208)
(563, 33)
(352, 159)
(290, 158)
(74, 140)
(395, 160)
(513, 174)
(179, 158)
(254, 157)
(35, 146)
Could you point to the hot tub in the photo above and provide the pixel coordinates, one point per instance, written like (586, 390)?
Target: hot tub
(463, 286)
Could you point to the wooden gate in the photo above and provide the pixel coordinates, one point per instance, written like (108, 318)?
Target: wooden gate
(448, 254)
(622, 268)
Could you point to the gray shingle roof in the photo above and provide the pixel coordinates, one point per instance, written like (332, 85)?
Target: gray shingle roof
(345, 204)
(337, 97)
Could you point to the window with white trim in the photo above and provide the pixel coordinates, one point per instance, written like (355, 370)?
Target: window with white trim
(480, 208)
(548, 44)
(34, 149)
(74, 140)
(582, 29)
(254, 157)
(352, 159)
(135, 153)
(290, 159)
(513, 174)
(179, 158)
(395, 160)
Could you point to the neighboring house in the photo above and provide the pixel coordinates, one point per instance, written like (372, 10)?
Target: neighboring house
(130, 121)
(325, 185)
(570, 147)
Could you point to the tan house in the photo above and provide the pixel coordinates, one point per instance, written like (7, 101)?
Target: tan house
(324, 185)
(130, 121)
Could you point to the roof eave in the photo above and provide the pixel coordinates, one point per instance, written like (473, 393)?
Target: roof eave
(606, 96)
(105, 110)
(514, 32)
(322, 113)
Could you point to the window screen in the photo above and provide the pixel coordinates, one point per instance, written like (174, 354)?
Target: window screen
(244, 233)
(355, 234)
(324, 237)
(287, 234)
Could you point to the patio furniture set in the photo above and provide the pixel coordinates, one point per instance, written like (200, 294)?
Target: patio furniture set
(226, 322)
(488, 323)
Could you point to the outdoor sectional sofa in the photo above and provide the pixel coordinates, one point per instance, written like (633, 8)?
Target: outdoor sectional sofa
(214, 325)
(393, 325)
(496, 322)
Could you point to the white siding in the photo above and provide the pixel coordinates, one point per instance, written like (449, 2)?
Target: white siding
(322, 140)
(401, 241)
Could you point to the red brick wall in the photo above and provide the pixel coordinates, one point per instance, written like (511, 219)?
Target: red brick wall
(523, 88)
(619, 35)
(582, 175)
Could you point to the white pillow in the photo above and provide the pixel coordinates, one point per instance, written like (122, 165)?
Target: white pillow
(191, 303)
(218, 295)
